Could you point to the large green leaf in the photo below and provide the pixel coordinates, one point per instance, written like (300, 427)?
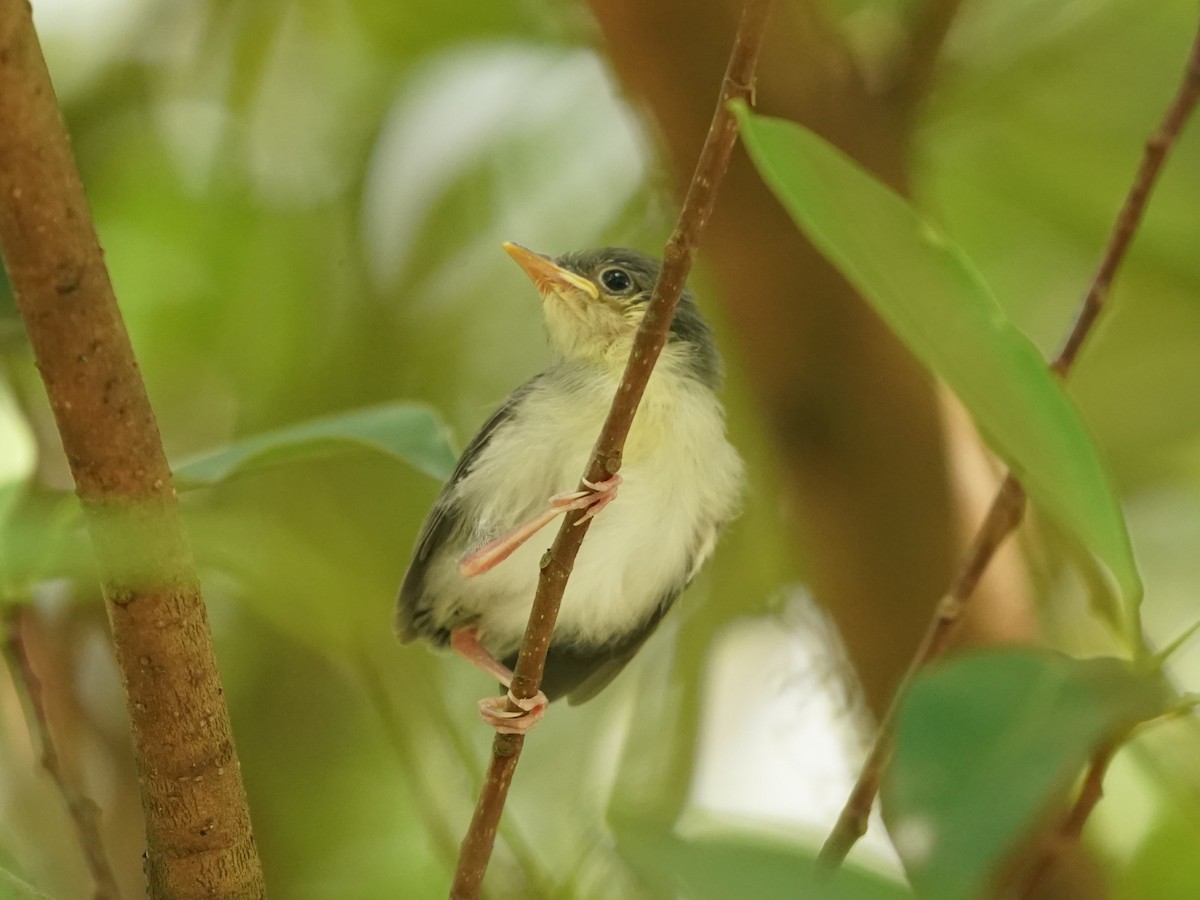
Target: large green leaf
(742, 865)
(935, 301)
(408, 431)
(985, 744)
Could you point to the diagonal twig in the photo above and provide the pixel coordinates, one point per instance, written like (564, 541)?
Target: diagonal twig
(85, 816)
(1071, 827)
(1007, 507)
(680, 251)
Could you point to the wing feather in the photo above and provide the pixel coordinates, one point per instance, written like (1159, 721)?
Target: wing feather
(444, 520)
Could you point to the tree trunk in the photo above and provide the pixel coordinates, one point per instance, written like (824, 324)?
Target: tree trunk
(199, 843)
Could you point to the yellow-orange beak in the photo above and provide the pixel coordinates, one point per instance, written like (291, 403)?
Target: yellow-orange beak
(546, 276)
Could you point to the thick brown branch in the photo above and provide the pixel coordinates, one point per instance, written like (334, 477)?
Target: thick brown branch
(680, 251)
(82, 810)
(1005, 512)
(198, 835)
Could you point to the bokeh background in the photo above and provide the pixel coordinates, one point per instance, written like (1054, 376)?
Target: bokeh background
(301, 204)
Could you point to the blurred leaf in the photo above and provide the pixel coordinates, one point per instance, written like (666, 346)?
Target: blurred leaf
(408, 431)
(284, 577)
(430, 168)
(42, 538)
(743, 865)
(10, 495)
(1164, 865)
(1103, 599)
(1176, 643)
(14, 888)
(934, 299)
(985, 743)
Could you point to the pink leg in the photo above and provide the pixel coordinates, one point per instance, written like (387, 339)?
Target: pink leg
(494, 710)
(485, 558)
(465, 642)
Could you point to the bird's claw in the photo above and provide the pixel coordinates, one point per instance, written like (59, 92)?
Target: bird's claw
(601, 492)
(598, 495)
(486, 557)
(495, 711)
(608, 484)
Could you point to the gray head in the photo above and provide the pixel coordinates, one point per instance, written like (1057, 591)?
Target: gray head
(594, 301)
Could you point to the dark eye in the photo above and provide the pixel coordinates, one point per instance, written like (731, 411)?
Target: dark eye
(616, 281)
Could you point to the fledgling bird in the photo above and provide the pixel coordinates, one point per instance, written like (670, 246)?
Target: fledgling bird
(474, 570)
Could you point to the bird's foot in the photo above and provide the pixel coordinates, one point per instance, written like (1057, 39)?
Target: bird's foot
(486, 557)
(495, 711)
(597, 496)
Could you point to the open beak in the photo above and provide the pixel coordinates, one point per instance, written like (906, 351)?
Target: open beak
(546, 276)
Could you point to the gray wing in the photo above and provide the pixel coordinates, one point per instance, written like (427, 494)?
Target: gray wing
(413, 606)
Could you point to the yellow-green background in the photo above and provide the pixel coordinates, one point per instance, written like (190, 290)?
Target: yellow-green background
(301, 204)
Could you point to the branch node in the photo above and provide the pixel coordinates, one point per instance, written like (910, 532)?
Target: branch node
(950, 608)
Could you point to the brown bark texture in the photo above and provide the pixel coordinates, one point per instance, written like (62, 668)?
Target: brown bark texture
(199, 842)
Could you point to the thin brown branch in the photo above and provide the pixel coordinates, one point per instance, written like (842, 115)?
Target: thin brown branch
(698, 203)
(1158, 147)
(1006, 510)
(85, 816)
(1002, 519)
(198, 838)
(1071, 827)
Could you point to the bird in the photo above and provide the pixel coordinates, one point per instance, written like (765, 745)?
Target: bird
(474, 569)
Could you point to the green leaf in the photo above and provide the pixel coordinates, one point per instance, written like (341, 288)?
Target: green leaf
(985, 744)
(42, 538)
(742, 865)
(937, 303)
(407, 431)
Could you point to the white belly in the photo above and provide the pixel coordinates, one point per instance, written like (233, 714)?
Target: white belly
(681, 483)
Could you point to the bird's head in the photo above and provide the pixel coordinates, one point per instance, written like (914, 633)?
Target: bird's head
(594, 301)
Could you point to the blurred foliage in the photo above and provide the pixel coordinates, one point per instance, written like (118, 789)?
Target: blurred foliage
(301, 205)
(1005, 732)
(934, 300)
(409, 432)
(13, 888)
(723, 865)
